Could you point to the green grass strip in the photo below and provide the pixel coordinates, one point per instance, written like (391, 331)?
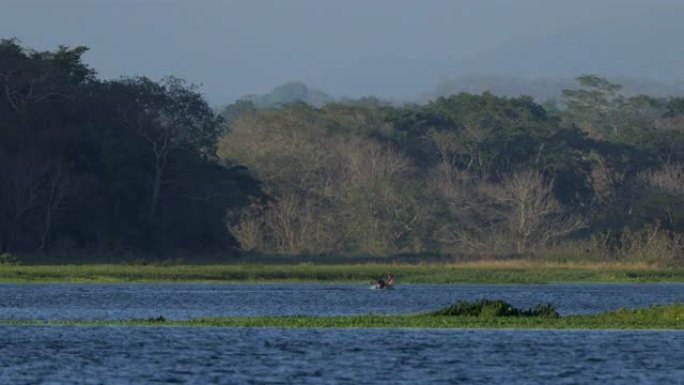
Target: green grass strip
(654, 317)
(434, 273)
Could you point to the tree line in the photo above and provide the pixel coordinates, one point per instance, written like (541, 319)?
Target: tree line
(140, 166)
(109, 166)
(598, 175)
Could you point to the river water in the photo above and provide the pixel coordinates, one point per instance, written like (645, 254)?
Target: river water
(180, 355)
(183, 301)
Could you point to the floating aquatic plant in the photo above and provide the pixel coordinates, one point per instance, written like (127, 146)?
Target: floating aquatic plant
(495, 308)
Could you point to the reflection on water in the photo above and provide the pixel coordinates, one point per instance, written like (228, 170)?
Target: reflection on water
(183, 301)
(147, 355)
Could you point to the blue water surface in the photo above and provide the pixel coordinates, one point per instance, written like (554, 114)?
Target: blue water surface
(184, 301)
(178, 355)
(216, 355)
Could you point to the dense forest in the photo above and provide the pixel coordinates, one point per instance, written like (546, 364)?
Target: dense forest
(598, 175)
(138, 166)
(96, 166)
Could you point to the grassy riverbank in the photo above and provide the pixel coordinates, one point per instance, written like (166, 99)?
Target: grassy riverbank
(472, 272)
(655, 317)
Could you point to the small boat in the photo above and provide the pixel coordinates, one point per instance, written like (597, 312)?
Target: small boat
(383, 283)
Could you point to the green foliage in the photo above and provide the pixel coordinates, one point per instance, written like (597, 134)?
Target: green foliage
(654, 317)
(346, 270)
(146, 167)
(8, 259)
(600, 108)
(233, 112)
(494, 308)
(454, 158)
(125, 165)
(646, 316)
(494, 134)
(291, 92)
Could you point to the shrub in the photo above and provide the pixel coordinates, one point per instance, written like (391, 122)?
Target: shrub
(495, 308)
(652, 244)
(541, 310)
(8, 259)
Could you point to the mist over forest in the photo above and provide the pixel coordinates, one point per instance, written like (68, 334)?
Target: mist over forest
(397, 50)
(137, 167)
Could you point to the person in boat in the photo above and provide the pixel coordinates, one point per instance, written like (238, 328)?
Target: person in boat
(385, 282)
(389, 280)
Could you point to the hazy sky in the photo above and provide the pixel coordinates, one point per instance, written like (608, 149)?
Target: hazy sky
(389, 48)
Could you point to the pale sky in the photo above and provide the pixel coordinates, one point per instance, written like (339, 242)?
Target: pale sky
(388, 48)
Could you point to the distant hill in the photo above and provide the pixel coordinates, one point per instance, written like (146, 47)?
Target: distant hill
(644, 46)
(624, 49)
(288, 93)
(542, 89)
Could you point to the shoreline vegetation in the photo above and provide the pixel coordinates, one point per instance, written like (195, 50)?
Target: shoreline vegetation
(103, 170)
(482, 314)
(479, 272)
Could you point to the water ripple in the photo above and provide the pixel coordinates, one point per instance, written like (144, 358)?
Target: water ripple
(183, 301)
(151, 355)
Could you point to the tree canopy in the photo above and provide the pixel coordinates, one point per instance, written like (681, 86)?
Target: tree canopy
(137, 166)
(125, 165)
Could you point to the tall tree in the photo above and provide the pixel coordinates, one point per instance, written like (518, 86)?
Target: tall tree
(109, 165)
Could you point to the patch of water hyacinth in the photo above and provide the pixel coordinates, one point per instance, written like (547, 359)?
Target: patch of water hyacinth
(495, 308)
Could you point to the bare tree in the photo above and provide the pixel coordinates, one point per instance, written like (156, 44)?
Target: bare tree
(519, 214)
(669, 178)
(56, 190)
(606, 179)
(445, 142)
(380, 211)
(670, 181)
(171, 117)
(530, 213)
(33, 191)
